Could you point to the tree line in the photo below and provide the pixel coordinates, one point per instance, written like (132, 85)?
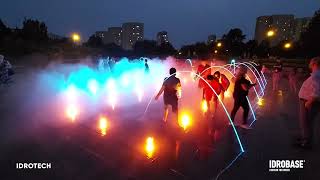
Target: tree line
(34, 37)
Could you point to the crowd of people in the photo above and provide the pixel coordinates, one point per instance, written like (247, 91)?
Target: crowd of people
(212, 86)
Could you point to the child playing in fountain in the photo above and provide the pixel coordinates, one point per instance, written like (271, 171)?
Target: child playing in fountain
(224, 81)
(209, 94)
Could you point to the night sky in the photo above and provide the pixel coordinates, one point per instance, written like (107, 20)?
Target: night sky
(186, 21)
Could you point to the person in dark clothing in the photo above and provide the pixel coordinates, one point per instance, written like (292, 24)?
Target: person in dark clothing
(146, 66)
(241, 90)
(171, 89)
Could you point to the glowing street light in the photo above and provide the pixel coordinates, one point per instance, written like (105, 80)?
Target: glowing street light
(75, 37)
(287, 45)
(215, 51)
(149, 147)
(270, 33)
(219, 44)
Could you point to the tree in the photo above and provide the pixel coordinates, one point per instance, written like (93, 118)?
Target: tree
(263, 49)
(233, 42)
(197, 50)
(310, 39)
(94, 41)
(4, 30)
(251, 48)
(166, 49)
(145, 47)
(113, 50)
(34, 30)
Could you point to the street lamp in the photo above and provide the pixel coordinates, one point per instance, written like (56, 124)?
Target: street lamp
(215, 51)
(270, 33)
(219, 44)
(75, 37)
(287, 45)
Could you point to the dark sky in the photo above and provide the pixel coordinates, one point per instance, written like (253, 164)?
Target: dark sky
(186, 21)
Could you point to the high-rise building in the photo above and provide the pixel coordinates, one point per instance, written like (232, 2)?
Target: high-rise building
(113, 36)
(162, 37)
(131, 33)
(263, 24)
(300, 26)
(281, 25)
(212, 38)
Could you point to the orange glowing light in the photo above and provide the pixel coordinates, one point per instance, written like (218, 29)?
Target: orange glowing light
(280, 93)
(204, 106)
(270, 33)
(185, 121)
(76, 37)
(103, 125)
(287, 45)
(72, 112)
(150, 147)
(219, 44)
(260, 102)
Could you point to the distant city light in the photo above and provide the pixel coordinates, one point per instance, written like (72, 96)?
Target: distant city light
(270, 33)
(219, 44)
(287, 45)
(75, 37)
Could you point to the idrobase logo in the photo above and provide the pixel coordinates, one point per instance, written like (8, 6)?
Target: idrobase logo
(285, 165)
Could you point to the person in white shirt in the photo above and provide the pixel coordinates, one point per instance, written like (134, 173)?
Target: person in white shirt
(309, 96)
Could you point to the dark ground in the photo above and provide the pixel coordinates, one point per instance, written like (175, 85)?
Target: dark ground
(78, 151)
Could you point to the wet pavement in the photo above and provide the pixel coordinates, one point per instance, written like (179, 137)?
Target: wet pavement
(79, 151)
